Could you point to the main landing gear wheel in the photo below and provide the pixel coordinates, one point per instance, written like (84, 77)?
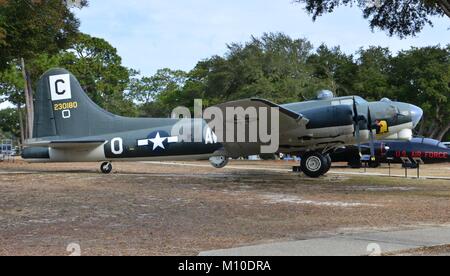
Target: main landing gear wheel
(329, 163)
(219, 162)
(106, 167)
(314, 164)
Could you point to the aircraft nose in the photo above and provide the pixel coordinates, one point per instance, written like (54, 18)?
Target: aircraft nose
(416, 114)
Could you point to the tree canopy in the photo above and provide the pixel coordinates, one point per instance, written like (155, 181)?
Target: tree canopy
(11, 86)
(9, 122)
(97, 66)
(32, 27)
(402, 18)
(421, 76)
(153, 93)
(99, 69)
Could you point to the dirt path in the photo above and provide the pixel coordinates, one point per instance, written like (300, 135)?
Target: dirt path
(145, 209)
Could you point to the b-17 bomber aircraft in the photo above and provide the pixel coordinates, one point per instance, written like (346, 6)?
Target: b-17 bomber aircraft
(69, 127)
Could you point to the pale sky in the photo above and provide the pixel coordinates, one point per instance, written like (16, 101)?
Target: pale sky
(155, 34)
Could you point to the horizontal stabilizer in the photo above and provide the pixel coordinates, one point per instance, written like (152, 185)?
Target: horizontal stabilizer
(65, 143)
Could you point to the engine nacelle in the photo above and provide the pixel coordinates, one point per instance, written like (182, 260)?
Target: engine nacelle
(36, 155)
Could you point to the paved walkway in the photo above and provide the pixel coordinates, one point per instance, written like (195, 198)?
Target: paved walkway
(347, 245)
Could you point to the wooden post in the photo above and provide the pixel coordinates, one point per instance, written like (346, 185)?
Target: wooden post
(30, 97)
(28, 103)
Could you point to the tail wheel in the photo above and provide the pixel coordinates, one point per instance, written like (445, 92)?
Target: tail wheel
(106, 167)
(219, 162)
(314, 164)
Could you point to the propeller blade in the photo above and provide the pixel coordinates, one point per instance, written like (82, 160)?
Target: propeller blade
(355, 110)
(357, 129)
(372, 138)
(358, 139)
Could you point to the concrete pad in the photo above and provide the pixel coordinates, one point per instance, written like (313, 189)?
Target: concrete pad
(420, 237)
(362, 244)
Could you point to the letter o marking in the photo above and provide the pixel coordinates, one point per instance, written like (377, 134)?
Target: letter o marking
(117, 146)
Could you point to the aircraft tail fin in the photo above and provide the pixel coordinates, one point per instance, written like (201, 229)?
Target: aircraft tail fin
(62, 108)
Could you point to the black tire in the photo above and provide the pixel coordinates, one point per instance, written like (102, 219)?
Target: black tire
(106, 167)
(314, 164)
(329, 163)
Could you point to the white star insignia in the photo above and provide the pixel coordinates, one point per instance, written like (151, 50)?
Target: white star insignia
(158, 142)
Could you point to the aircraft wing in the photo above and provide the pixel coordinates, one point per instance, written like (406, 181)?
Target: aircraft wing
(70, 143)
(288, 118)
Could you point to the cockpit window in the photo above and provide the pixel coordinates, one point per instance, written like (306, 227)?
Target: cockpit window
(359, 101)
